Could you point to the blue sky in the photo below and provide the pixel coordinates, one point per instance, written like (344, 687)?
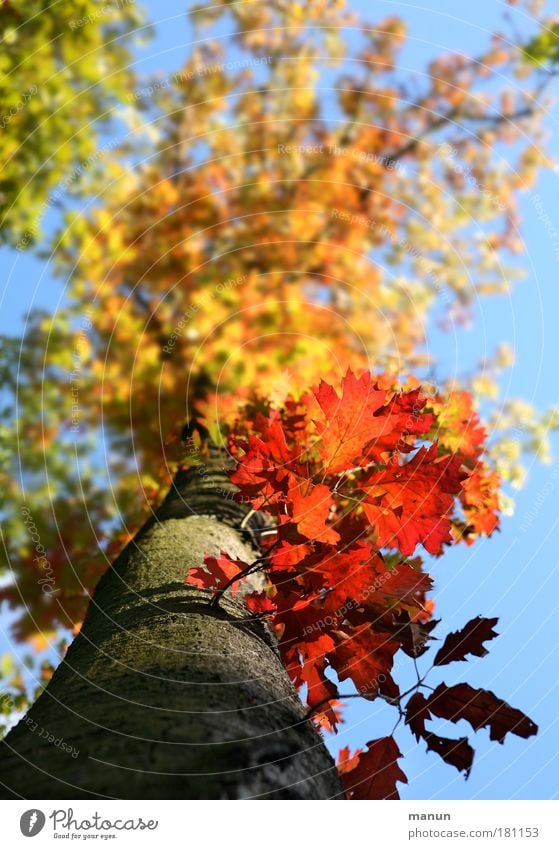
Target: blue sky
(514, 575)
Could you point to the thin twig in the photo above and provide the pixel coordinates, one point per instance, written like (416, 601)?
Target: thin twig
(248, 517)
(255, 566)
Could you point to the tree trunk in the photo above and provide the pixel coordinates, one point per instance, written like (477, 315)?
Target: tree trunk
(162, 697)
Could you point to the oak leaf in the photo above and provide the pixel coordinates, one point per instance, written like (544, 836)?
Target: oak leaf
(376, 772)
(481, 708)
(468, 640)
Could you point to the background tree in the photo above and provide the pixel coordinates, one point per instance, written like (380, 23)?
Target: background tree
(255, 227)
(64, 73)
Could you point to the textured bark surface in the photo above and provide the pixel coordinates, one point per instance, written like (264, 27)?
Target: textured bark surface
(162, 696)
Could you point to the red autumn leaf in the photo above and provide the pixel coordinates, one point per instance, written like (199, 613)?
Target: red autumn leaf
(306, 662)
(407, 419)
(457, 753)
(427, 611)
(481, 708)
(402, 582)
(310, 507)
(288, 556)
(366, 657)
(297, 620)
(417, 713)
(329, 718)
(259, 603)
(469, 640)
(458, 426)
(360, 575)
(216, 572)
(413, 636)
(480, 500)
(348, 424)
(313, 664)
(265, 463)
(411, 503)
(348, 574)
(376, 772)
(346, 761)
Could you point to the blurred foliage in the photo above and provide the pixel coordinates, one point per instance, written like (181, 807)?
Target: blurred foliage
(21, 684)
(544, 47)
(63, 72)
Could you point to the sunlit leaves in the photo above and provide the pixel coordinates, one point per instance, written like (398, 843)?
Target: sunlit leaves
(543, 47)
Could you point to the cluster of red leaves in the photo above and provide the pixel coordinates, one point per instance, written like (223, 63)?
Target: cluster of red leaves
(353, 484)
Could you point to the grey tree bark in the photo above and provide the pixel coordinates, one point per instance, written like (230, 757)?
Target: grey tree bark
(162, 696)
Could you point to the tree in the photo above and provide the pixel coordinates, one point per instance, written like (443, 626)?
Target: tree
(198, 288)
